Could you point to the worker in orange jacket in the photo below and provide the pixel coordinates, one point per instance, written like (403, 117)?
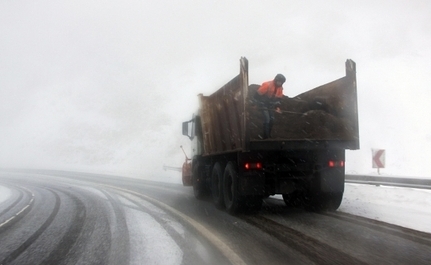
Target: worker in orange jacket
(268, 96)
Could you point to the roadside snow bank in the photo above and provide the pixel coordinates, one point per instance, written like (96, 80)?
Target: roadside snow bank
(5, 193)
(405, 207)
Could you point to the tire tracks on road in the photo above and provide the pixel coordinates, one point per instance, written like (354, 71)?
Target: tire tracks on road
(14, 254)
(211, 237)
(121, 244)
(315, 250)
(399, 231)
(59, 254)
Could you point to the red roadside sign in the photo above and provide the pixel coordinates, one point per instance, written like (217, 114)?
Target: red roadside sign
(378, 158)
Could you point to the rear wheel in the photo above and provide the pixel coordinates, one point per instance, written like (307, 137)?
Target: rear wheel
(236, 203)
(232, 199)
(198, 182)
(217, 185)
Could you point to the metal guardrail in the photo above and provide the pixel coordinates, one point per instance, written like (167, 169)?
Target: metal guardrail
(390, 181)
(360, 179)
(172, 168)
(372, 180)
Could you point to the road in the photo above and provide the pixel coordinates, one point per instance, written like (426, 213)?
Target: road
(53, 217)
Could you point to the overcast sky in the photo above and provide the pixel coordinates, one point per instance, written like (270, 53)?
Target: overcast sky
(105, 85)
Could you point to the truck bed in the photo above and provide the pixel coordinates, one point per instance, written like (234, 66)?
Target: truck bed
(322, 117)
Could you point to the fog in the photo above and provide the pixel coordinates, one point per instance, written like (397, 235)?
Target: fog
(103, 86)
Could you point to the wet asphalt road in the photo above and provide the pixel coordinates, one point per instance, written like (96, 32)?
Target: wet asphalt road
(47, 219)
(51, 217)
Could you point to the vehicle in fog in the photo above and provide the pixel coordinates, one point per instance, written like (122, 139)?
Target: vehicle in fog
(303, 160)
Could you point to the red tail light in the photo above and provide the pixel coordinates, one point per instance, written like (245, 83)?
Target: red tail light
(334, 163)
(256, 165)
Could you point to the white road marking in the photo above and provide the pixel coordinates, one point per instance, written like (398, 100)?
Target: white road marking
(21, 211)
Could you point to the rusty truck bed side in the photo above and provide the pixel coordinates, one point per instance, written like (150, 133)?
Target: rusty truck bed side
(326, 116)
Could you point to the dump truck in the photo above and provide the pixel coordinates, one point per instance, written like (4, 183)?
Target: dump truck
(304, 160)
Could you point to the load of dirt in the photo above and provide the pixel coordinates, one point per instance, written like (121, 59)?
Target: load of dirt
(314, 119)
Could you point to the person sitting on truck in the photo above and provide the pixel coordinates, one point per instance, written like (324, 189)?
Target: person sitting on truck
(268, 95)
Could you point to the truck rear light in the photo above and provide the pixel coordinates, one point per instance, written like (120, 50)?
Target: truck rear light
(335, 163)
(249, 166)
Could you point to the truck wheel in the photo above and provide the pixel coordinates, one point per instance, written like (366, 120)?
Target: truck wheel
(232, 199)
(198, 182)
(217, 185)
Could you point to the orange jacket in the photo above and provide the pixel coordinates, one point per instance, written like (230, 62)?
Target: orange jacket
(270, 90)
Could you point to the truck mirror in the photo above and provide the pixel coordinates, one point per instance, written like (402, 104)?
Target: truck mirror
(185, 128)
(186, 131)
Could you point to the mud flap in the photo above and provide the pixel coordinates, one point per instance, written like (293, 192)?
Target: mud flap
(252, 183)
(331, 181)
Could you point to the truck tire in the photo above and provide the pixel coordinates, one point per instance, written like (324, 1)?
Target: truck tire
(217, 185)
(198, 182)
(232, 199)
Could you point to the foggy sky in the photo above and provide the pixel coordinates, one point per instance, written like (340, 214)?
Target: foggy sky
(105, 85)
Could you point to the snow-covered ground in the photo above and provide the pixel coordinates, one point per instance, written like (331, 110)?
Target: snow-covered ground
(405, 207)
(5, 193)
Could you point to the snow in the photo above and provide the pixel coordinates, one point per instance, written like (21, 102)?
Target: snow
(405, 207)
(5, 193)
(149, 241)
